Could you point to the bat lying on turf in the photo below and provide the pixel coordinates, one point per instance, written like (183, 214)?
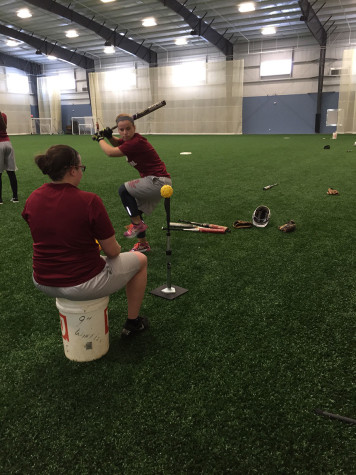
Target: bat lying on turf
(194, 228)
(147, 111)
(205, 225)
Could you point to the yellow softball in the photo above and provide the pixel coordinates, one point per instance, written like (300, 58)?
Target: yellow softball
(166, 191)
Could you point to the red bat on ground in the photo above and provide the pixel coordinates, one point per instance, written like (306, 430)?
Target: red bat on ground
(205, 225)
(197, 229)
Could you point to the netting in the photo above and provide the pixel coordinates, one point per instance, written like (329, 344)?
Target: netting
(41, 126)
(83, 125)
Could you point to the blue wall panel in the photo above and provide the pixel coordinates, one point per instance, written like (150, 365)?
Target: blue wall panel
(294, 114)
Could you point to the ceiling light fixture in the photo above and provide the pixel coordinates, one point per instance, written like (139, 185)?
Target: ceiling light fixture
(109, 49)
(24, 13)
(38, 51)
(107, 1)
(149, 21)
(12, 43)
(51, 57)
(268, 30)
(72, 34)
(181, 41)
(247, 7)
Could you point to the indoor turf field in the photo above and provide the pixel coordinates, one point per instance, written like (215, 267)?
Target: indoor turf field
(229, 375)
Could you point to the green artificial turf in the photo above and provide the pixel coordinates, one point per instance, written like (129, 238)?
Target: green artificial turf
(228, 376)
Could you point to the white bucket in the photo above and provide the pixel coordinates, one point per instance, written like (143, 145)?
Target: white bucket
(85, 328)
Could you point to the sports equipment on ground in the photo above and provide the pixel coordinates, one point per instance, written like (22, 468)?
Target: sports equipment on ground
(166, 191)
(348, 420)
(147, 111)
(332, 191)
(131, 328)
(197, 229)
(261, 216)
(141, 247)
(240, 224)
(205, 225)
(269, 186)
(288, 227)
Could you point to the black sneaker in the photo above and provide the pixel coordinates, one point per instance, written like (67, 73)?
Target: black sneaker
(131, 328)
(14, 200)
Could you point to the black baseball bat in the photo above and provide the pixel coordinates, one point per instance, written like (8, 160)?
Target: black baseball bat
(147, 111)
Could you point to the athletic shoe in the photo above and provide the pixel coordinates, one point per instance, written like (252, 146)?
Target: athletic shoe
(134, 229)
(131, 328)
(14, 200)
(1, 202)
(141, 247)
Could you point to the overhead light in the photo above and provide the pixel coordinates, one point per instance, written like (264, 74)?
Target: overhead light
(51, 57)
(109, 50)
(181, 41)
(72, 34)
(24, 13)
(12, 43)
(268, 30)
(107, 1)
(247, 7)
(149, 21)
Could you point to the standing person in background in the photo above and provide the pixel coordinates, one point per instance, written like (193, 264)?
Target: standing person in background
(141, 195)
(7, 159)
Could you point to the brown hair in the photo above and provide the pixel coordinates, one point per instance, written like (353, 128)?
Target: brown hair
(56, 161)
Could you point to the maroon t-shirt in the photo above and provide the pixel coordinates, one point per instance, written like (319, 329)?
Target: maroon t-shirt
(3, 131)
(141, 155)
(64, 223)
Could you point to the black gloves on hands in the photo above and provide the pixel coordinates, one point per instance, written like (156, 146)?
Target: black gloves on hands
(107, 133)
(97, 137)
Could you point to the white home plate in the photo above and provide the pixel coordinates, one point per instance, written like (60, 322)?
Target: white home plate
(185, 153)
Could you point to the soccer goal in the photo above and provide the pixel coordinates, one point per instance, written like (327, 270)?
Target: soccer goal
(41, 126)
(83, 125)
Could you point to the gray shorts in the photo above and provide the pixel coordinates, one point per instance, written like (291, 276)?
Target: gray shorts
(117, 272)
(7, 157)
(147, 191)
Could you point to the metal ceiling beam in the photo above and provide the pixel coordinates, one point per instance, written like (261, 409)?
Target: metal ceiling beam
(28, 66)
(312, 21)
(201, 28)
(49, 48)
(106, 33)
(309, 16)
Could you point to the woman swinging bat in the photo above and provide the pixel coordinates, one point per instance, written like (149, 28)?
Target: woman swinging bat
(141, 195)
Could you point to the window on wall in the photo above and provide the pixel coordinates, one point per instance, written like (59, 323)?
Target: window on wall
(66, 80)
(189, 74)
(17, 83)
(276, 64)
(120, 79)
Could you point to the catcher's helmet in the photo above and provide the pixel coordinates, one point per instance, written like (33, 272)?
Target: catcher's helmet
(260, 217)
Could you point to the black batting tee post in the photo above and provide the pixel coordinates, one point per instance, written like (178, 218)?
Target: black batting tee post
(167, 291)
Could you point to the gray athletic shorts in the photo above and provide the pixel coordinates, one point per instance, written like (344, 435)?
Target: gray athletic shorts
(117, 272)
(7, 157)
(147, 191)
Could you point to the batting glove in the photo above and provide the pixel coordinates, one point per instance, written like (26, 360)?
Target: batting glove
(107, 133)
(97, 137)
